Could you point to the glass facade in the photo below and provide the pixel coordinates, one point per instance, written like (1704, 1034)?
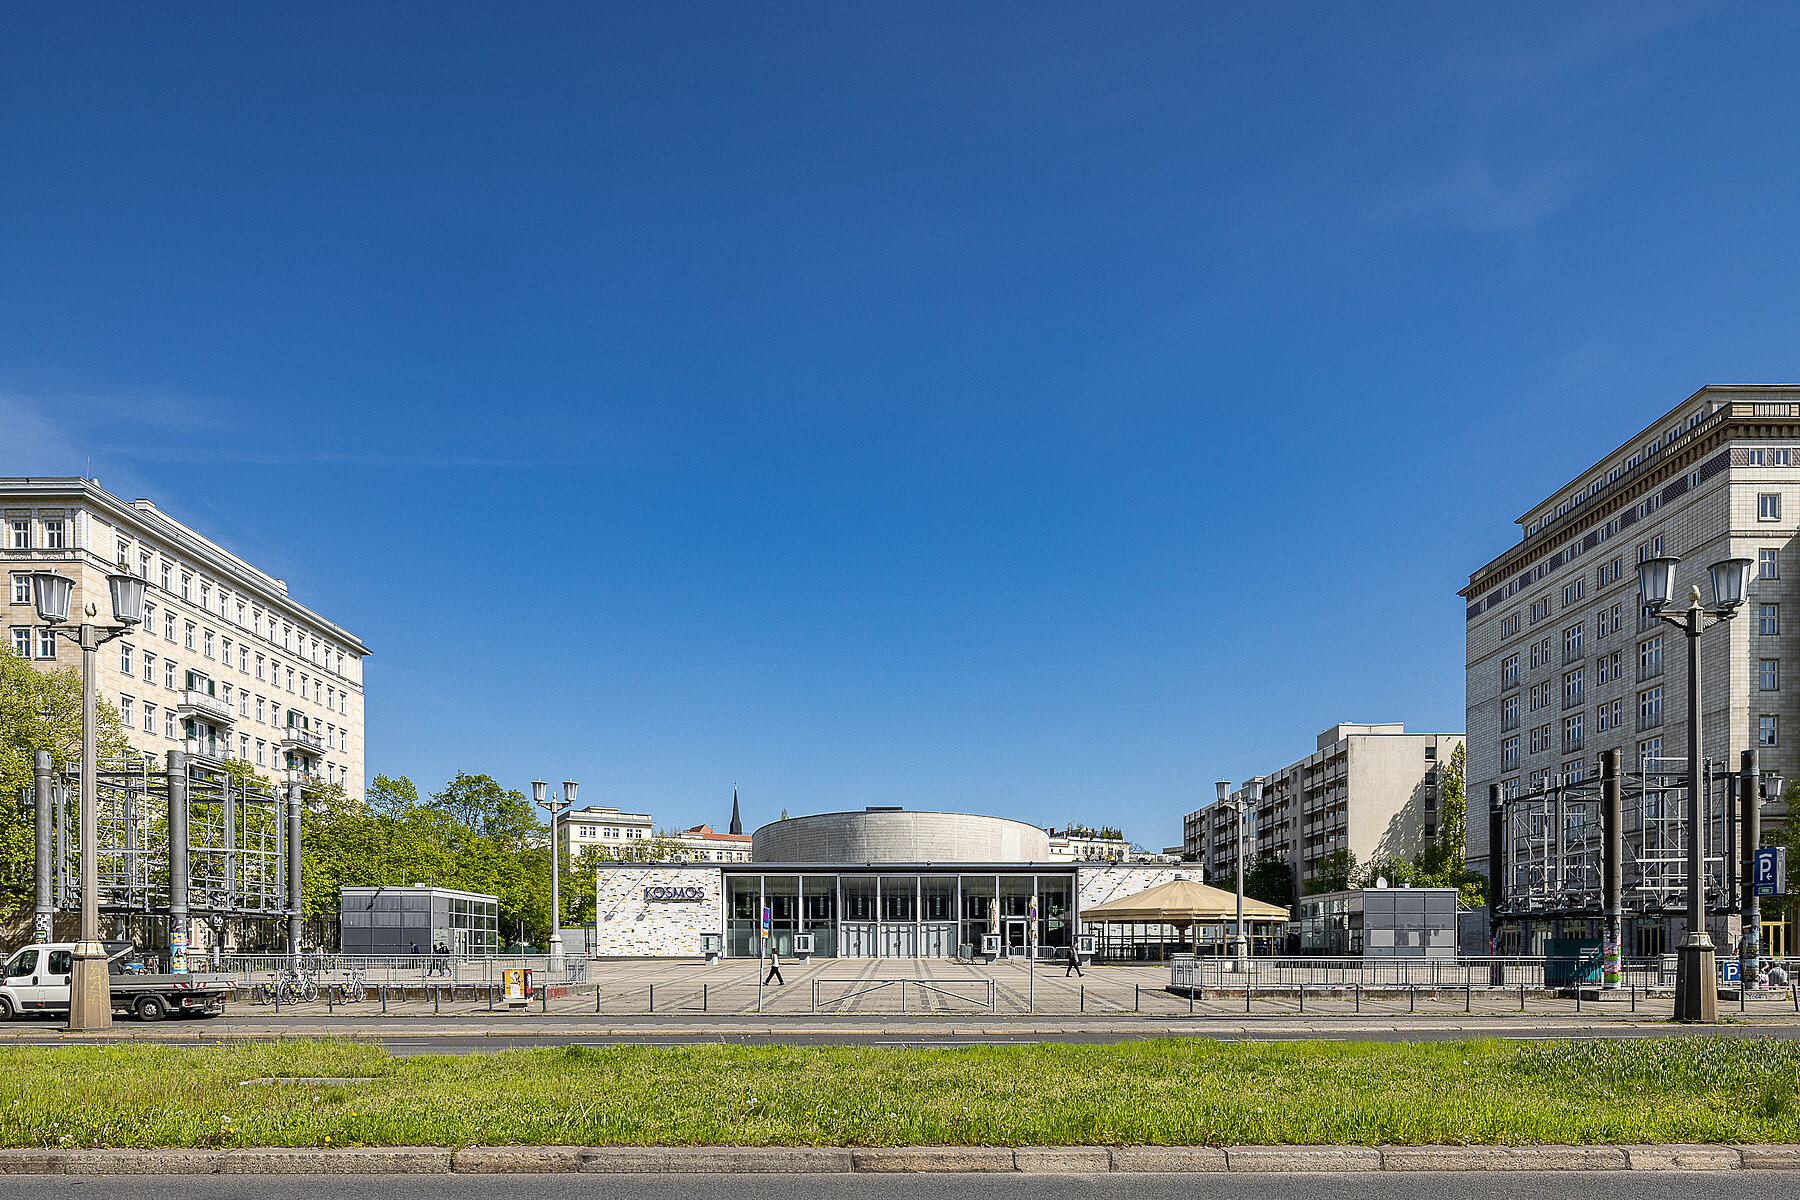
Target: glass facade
(879, 914)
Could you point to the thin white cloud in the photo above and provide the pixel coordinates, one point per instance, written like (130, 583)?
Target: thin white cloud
(1473, 196)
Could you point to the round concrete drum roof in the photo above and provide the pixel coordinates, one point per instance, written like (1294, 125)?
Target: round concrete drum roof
(878, 835)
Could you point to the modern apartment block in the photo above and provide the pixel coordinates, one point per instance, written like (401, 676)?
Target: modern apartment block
(226, 663)
(1563, 662)
(1368, 789)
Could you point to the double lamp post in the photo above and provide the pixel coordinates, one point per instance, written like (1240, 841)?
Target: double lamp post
(555, 806)
(1696, 967)
(1240, 809)
(90, 994)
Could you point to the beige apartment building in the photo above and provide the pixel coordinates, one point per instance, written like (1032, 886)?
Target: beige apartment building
(1563, 662)
(225, 664)
(602, 827)
(1368, 789)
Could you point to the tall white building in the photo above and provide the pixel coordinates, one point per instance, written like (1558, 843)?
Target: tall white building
(226, 663)
(1369, 789)
(1562, 661)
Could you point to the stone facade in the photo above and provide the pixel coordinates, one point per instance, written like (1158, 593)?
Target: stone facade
(642, 911)
(1716, 477)
(1097, 884)
(227, 663)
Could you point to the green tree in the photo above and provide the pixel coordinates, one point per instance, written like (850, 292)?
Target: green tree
(1334, 873)
(1786, 834)
(40, 710)
(483, 807)
(1269, 880)
(1440, 864)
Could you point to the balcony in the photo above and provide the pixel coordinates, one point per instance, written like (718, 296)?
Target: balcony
(200, 704)
(302, 741)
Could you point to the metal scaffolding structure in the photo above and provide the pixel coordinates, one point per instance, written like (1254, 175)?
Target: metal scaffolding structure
(188, 840)
(1552, 840)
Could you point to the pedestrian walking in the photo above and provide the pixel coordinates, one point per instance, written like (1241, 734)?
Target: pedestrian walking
(774, 975)
(1074, 963)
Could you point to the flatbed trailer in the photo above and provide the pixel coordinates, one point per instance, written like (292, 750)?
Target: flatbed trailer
(37, 981)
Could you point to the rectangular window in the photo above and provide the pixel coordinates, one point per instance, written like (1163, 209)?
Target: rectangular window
(162, 575)
(53, 535)
(261, 749)
(149, 668)
(206, 595)
(190, 635)
(1571, 643)
(187, 586)
(1608, 716)
(206, 642)
(1540, 609)
(1509, 754)
(290, 679)
(1539, 696)
(126, 712)
(1650, 658)
(21, 535)
(125, 657)
(1769, 675)
(168, 626)
(259, 708)
(259, 666)
(169, 673)
(1768, 731)
(1572, 733)
(1768, 623)
(21, 589)
(1649, 751)
(243, 660)
(1574, 591)
(1768, 566)
(169, 723)
(1650, 708)
(1572, 688)
(46, 642)
(1768, 507)
(149, 718)
(244, 746)
(1510, 625)
(124, 554)
(21, 640)
(144, 566)
(1509, 675)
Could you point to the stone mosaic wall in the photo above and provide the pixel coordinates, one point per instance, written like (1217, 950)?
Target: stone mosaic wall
(1098, 884)
(631, 924)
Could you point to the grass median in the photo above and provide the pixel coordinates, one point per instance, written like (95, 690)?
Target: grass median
(1185, 1092)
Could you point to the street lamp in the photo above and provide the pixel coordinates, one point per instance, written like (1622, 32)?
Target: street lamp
(555, 806)
(90, 994)
(1252, 793)
(1696, 969)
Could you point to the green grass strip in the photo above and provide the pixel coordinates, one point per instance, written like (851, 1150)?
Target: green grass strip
(1176, 1092)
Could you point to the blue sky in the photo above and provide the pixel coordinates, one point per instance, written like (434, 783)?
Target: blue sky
(1035, 409)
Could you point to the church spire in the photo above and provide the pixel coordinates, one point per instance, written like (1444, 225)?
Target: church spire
(737, 822)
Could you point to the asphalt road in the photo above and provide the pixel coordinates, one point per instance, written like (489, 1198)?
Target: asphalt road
(1510, 1185)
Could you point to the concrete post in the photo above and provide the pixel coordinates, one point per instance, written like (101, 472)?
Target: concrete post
(179, 878)
(43, 875)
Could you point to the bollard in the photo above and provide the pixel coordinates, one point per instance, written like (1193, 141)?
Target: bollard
(596, 997)
(1303, 996)
(384, 999)
(328, 998)
(278, 997)
(652, 997)
(1412, 997)
(1193, 986)
(1634, 995)
(437, 996)
(1743, 996)
(1468, 997)
(1521, 995)
(544, 992)
(1358, 986)
(703, 997)
(1246, 995)
(1578, 995)
(1134, 997)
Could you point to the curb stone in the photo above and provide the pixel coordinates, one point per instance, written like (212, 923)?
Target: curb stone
(1087, 1160)
(932, 1158)
(1302, 1158)
(1770, 1158)
(689, 1160)
(1168, 1159)
(1683, 1158)
(141, 1162)
(350, 1160)
(32, 1162)
(1503, 1158)
(517, 1160)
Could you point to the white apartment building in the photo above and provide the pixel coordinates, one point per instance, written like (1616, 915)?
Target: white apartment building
(705, 844)
(603, 828)
(1562, 661)
(225, 664)
(1368, 789)
(1077, 842)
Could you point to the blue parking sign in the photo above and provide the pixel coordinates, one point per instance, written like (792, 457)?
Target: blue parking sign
(1728, 970)
(1770, 871)
(766, 923)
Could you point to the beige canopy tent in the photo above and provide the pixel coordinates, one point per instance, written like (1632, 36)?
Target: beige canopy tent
(1183, 903)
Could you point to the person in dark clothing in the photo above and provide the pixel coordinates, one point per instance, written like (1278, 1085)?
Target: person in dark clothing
(774, 975)
(1074, 963)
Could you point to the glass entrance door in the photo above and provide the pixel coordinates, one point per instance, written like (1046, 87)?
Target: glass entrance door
(1014, 945)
